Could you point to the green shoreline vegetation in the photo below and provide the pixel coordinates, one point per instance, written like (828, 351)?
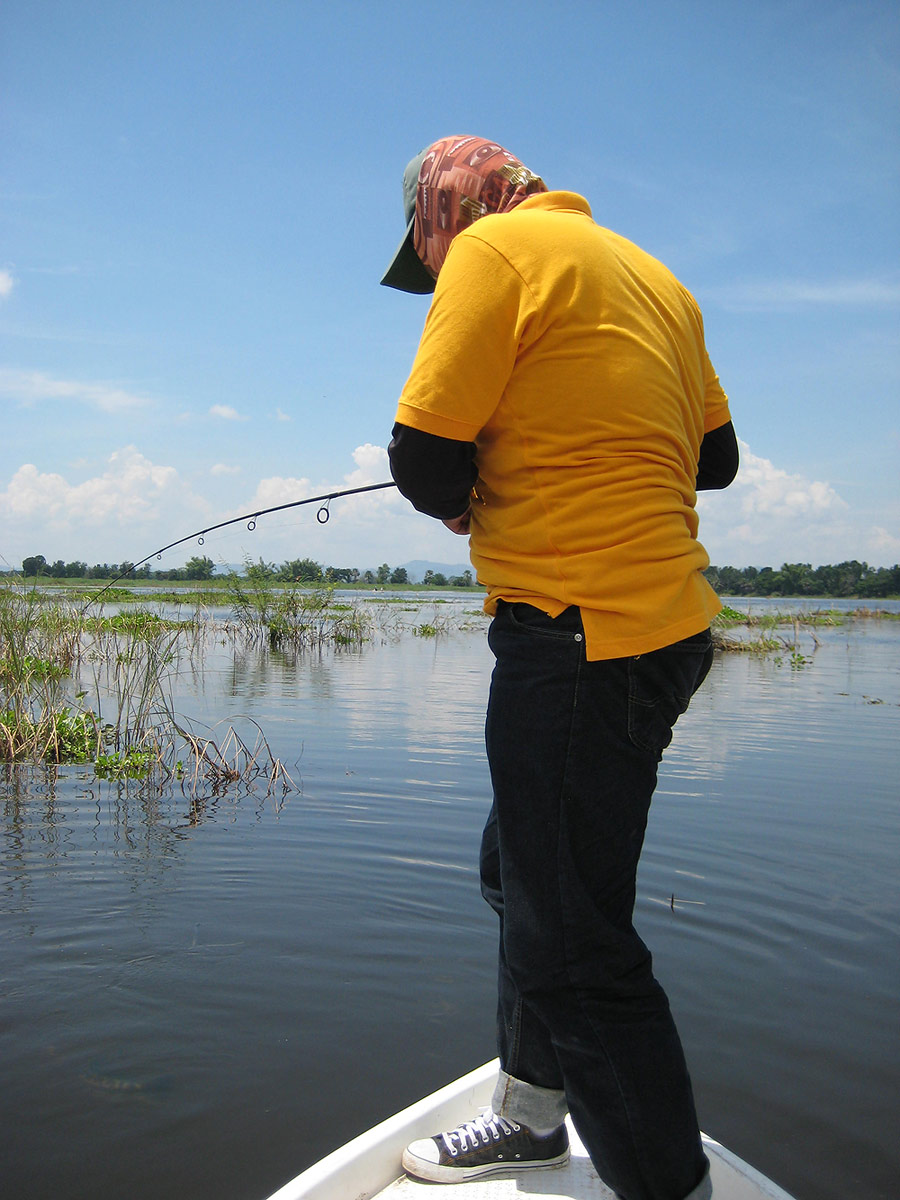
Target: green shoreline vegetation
(849, 579)
(82, 684)
(79, 685)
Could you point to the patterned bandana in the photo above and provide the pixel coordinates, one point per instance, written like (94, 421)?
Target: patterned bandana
(460, 180)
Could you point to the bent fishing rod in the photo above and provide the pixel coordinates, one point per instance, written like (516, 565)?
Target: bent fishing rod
(322, 517)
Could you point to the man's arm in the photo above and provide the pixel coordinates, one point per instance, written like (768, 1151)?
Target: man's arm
(436, 474)
(718, 459)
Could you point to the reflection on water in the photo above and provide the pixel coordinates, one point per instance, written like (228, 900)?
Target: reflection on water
(200, 999)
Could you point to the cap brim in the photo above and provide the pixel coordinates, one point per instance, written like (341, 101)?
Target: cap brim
(407, 271)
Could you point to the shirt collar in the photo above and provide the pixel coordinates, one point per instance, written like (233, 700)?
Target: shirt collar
(557, 202)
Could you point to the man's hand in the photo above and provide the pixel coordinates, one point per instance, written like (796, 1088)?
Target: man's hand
(460, 524)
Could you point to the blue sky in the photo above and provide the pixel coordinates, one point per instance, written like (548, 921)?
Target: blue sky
(198, 200)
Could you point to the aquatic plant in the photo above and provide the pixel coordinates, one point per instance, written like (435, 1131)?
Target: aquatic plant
(38, 647)
(440, 624)
(292, 615)
(761, 644)
(124, 764)
(232, 760)
(53, 656)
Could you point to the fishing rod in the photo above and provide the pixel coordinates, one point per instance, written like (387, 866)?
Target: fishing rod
(322, 517)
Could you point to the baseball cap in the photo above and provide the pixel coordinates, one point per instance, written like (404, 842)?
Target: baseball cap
(407, 271)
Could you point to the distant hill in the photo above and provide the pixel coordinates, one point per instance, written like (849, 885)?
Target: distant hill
(417, 568)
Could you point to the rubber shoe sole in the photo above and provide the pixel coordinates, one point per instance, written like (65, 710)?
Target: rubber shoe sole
(432, 1172)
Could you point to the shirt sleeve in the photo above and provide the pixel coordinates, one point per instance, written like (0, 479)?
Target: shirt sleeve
(719, 459)
(469, 344)
(434, 473)
(716, 412)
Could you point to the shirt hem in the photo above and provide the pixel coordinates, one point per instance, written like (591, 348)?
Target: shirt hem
(429, 422)
(598, 646)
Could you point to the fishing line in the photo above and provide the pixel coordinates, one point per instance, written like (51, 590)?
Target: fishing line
(322, 516)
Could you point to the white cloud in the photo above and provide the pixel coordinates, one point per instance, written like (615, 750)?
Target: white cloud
(885, 542)
(282, 416)
(226, 412)
(765, 488)
(279, 489)
(6, 283)
(360, 530)
(224, 469)
(371, 466)
(130, 494)
(374, 508)
(126, 489)
(29, 387)
(770, 515)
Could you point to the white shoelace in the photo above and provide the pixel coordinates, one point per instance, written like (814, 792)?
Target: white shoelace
(481, 1131)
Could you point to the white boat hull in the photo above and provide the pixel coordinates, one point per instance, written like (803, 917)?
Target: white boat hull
(369, 1166)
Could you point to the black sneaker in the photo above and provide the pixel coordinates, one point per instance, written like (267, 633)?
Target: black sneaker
(489, 1145)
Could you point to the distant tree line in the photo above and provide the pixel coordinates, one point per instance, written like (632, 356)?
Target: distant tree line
(298, 570)
(851, 578)
(801, 579)
(35, 565)
(306, 571)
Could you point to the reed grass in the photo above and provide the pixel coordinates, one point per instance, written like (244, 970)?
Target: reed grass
(230, 760)
(761, 644)
(767, 640)
(295, 616)
(440, 624)
(39, 645)
(86, 687)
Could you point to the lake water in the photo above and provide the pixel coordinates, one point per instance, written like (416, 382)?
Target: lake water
(199, 999)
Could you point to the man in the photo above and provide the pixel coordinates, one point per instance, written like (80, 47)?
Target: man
(562, 410)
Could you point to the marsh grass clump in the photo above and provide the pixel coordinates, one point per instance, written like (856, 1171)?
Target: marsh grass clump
(728, 617)
(875, 614)
(198, 598)
(91, 688)
(58, 737)
(294, 616)
(761, 644)
(766, 638)
(39, 645)
(141, 624)
(229, 760)
(131, 680)
(441, 624)
(111, 595)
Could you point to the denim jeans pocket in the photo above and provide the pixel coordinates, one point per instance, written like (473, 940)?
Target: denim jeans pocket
(534, 622)
(660, 687)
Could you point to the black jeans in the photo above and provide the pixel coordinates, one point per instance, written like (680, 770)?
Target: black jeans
(573, 748)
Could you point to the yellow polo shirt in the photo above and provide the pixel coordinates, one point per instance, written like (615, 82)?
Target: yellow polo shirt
(576, 362)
